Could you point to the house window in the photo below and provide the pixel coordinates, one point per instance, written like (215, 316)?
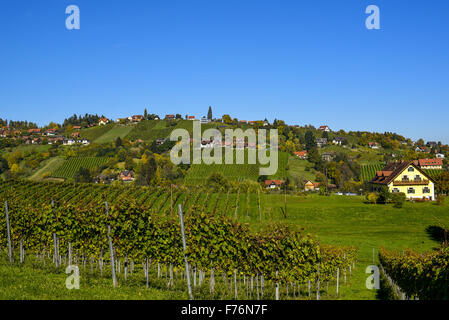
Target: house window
(426, 190)
(417, 177)
(411, 190)
(395, 190)
(404, 178)
(411, 169)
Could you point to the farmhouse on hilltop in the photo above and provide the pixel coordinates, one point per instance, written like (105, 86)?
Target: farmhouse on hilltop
(324, 128)
(406, 177)
(103, 121)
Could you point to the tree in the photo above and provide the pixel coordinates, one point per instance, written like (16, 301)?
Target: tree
(147, 171)
(217, 181)
(145, 114)
(227, 119)
(209, 113)
(442, 183)
(129, 163)
(118, 142)
(310, 140)
(83, 175)
(3, 165)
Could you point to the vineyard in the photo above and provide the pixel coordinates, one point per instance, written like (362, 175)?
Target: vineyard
(368, 172)
(433, 173)
(418, 275)
(69, 167)
(64, 224)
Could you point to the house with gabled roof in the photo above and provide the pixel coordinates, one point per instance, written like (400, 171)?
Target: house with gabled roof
(273, 184)
(320, 142)
(324, 128)
(406, 177)
(429, 163)
(301, 154)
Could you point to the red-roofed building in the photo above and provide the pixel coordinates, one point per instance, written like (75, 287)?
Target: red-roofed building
(324, 128)
(103, 121)
(429, 163)
(273, 184)
(301, 154)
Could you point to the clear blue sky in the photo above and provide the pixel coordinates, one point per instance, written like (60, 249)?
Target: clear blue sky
(306, 62)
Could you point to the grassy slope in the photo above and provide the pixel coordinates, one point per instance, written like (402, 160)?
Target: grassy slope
(341, 220)
(117, 131)
(95, 132)
(297, 168)
(49, 166)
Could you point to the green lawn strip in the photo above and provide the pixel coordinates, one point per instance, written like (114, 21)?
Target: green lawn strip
(49, 166)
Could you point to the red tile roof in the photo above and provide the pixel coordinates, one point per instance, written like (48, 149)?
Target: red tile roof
(276, 182)
(301, 153)
(429, 162)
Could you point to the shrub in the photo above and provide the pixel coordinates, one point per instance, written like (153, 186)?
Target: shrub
(372, 197)
(440, 199)
(384, 195)
(398, 199)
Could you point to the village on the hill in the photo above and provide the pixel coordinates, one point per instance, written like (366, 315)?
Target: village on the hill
(96, 149)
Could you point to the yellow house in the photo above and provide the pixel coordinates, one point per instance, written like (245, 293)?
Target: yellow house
(311, 186)
(406, 177)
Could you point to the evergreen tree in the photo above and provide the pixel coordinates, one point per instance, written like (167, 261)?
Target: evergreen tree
(118, 142)
(83, 175)
(146, 172)
(310, 140)
(145, 114)
(209, 113)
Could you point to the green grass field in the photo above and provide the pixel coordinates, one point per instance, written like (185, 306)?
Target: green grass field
(343, 220)
(69, 167)
(47, 168)
(150, 130)
(111, 135)
(301, 169)
(96, 132)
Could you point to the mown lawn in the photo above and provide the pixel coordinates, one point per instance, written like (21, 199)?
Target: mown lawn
(346, 220)
(31, 282)
(111, 135)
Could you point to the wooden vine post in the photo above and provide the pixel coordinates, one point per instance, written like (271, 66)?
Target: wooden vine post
(111, 250)
(171, 202)
(285, 199)
(181, 218)
(237, 203)
(8, 230)
(55, 238)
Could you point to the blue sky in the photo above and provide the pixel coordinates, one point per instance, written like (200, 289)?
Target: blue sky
(306, 62)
